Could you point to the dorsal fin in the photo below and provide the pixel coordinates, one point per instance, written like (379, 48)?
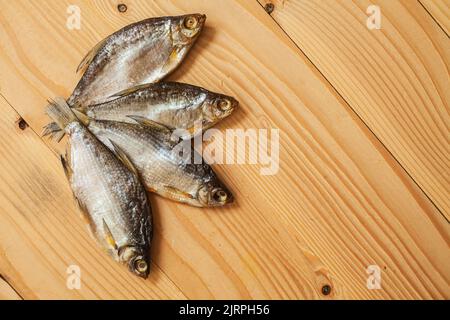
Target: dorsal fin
(66, 166)
(123, 157)
(90, 55)
(128, 91)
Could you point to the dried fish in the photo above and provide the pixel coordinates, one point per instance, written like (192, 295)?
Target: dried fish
(143, 52)
(108, 191)
(175, 105)
(152, 150)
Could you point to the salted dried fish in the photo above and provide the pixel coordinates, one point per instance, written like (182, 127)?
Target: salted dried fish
(152, 150)
(142, 52)
(108, 191)
(175, 105)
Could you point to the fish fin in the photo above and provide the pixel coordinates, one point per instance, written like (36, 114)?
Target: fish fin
(84, 119)
(83, 209)
(90, 55)
(166, 133)
(66, 166)
(180, 193)
(172, 57)
(60, 113)
(58, 135)
(50, 129)
(68, 172)
(79, 108)
(86, 219)
(109, 237)
(128, 91)
(150, 123)
(123, 157)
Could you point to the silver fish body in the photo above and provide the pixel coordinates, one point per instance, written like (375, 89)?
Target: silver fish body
(142, 52)
(159, 164)
(110, 195)
(175, 105)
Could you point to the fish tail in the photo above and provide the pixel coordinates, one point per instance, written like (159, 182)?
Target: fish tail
(80, 108)
(60, 113)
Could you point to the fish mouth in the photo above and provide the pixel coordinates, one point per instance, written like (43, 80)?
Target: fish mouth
(201, 18)
(229, 111)
(137, 262)
(220, 197)
(234, 103)
(139, 266)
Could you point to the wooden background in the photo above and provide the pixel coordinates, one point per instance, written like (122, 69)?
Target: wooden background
(364, 156)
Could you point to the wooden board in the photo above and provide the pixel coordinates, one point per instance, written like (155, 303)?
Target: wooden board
(7, 292)
(41, 233)
(440, 11)
(339, 203)
(396, 78)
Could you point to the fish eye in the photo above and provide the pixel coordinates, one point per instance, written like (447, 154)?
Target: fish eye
(190, 22)
(223, 104)
(140, 265)
(220, 196)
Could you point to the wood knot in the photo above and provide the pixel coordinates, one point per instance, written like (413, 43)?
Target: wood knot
(326, 289)
(122, 7)
(22, 124)
(269, 7)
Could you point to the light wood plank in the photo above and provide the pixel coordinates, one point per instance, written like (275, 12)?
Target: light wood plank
(41, 233)
(440, 10)
(396, 78)
(338, 204)
(7, 292)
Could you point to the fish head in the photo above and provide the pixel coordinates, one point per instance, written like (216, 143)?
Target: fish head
(214, 194)
(185, 29)
(217, 107)
(137, 260)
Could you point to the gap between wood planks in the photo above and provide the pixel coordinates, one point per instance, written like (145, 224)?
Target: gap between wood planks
(28, 126)
(56, 152)
(354, 111)
(434, 19)
(4, 278)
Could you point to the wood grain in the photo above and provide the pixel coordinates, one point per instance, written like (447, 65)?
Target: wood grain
(339, 203)
(440, 10)
(7, 292)
(41, 233)
(396, 78)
